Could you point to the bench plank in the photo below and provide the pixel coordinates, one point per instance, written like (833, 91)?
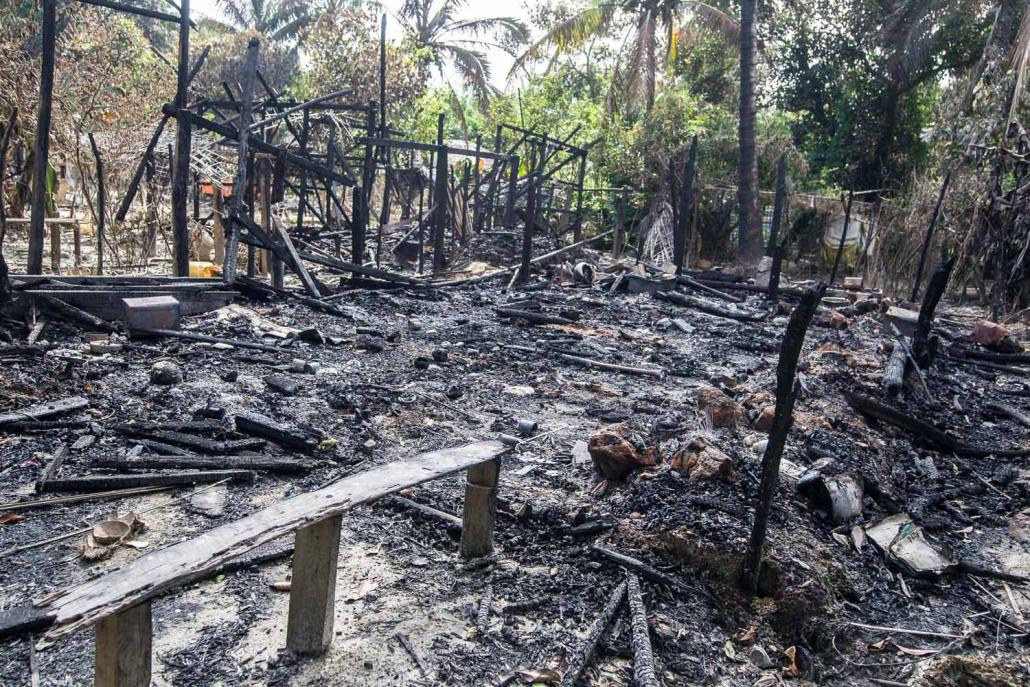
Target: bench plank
(77, 607)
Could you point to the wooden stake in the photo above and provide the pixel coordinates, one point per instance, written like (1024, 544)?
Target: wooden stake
(480, 511)
(929, 236)
(123, 648)
(786, 394)
(313, 587)
(101, 205)
(236, 209)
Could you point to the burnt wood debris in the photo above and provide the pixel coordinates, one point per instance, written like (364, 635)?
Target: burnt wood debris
(389, 386)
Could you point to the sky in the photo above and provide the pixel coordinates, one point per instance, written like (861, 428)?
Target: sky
(499, 60)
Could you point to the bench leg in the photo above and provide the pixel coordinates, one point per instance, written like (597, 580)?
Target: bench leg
(309, 629)
(123, 643)
(477, 520)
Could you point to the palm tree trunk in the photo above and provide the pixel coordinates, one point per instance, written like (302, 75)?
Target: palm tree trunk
(750, 242)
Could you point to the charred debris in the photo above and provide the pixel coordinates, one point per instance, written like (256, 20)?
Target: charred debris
(672, 475)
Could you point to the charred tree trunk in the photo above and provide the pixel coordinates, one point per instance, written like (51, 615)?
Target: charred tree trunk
(786, 394)
(40, 160)
(5, 142)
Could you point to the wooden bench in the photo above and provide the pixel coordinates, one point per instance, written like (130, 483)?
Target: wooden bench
(118, 602)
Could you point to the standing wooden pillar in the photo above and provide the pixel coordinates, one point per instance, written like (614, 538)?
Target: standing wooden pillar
(495, 172)
(686, 207)
(620, 224)
(476, 181)
(250, 202)
(929, 236)
(55, 247)
(304, 130)
(384, 214)
(440, 198)
(309, 628)
(477, 519)
(101, 206)
(843, 237)
(264, 176)
(527, 233)
(778, 202)
(239, 184)
(278, 193)
(183, 141)
(513, 185)
(218, 223)
(577, 228)
(123, 647)
(41, 160)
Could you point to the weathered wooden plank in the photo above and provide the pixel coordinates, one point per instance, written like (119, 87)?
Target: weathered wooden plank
(309, 628)
(123, 647)
(477, 519)
(151, 574)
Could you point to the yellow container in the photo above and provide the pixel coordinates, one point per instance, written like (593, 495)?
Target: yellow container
(205, 270)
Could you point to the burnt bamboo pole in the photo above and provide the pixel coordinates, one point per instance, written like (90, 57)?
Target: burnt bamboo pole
(786, 395)
(183, 142)
(440, 198)
(582, 657)
(101, 203)
(40, 160)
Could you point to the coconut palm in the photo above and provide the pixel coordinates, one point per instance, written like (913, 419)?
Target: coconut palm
(443, 40)
(276, 20)
(647, 25)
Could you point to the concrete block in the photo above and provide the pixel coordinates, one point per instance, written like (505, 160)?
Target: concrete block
(152, 312)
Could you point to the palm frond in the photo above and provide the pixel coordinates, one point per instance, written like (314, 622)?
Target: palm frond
(474, 70)
(713, 18)
(238, 13)
(508, 27)
(643, 60)
(571, 33)
(1020, 59)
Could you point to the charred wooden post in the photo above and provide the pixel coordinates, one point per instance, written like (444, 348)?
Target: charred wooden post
(843, 237)
(577, 228)
(477, 180)
(440, 198)
(123, 644)
(786, 395)
(384, 213)
(265, 193)
(382, 84)
(513, 184)
(218, 224)
(527, 231)
(359, 222)
(643, 657)
(928, 239)
(582, 657)
(778, 202)
(236, 209)
(305, 128)
(620, 224)
(40, 160)
(309, 628)
(686, 204)
(250, 204)
(183, 142)
(5, 142)
(480, 512)
(101, 203)
(924, 346)
(894, 371)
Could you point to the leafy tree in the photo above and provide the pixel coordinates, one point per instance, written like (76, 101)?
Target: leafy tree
(646, 26)
(442, 41)
(340, 55)
(859, 74)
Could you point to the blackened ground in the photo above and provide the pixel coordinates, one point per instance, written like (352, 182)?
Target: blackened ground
(399, 573)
